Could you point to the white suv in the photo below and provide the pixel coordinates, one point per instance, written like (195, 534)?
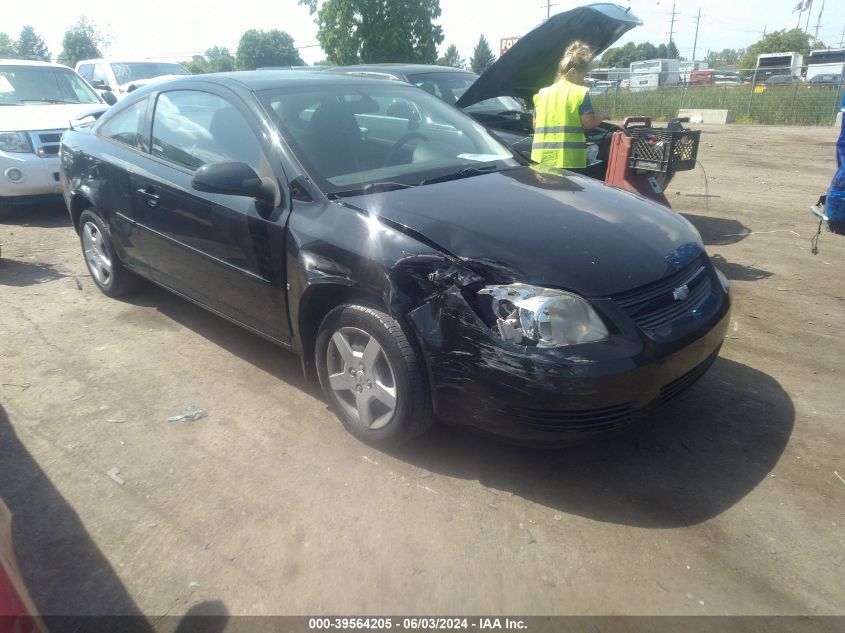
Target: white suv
(121, 77)
(38, 100)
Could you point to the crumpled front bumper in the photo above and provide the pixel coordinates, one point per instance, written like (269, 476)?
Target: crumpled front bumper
(552, 395)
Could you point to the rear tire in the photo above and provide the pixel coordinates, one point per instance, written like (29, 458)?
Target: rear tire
(371, 376)
(107, 271)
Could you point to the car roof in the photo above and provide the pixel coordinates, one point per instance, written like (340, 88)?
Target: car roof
(269, 79)
(401, 68)
(30, 62)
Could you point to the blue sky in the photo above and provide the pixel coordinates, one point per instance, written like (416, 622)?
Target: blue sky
(179, 28)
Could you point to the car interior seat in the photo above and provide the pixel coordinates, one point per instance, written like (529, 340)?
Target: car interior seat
(233, 138)
(335, 139)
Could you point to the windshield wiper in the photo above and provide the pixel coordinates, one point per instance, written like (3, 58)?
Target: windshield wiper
(466, 172)
(49, 101)
(373, 187)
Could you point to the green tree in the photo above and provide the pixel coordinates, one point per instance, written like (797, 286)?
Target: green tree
(647, 50)
(725, 57)
(220, 60)
(7, 46)
(217, 59)
(266, 48)
(482, 57)
(784, 41)
(197, 65)
(353, 31)
(31, 46)
(672, 51)
(81, 41)
(452, 57)
(620, 57)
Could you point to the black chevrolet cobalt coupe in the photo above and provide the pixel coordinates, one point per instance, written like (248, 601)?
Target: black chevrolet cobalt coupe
(419, 267)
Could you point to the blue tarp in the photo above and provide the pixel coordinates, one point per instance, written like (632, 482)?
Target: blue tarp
(835, 205)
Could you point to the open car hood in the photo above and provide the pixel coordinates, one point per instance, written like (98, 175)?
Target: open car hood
(531, 64)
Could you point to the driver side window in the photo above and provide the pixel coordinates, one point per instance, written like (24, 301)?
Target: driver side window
(193, 128)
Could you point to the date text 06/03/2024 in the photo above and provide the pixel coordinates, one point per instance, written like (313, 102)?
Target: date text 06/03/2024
(416, 623)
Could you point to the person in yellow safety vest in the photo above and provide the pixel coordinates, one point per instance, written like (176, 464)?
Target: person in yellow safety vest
(563, 111)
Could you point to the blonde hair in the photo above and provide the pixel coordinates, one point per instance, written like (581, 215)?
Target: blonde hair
(578, 57)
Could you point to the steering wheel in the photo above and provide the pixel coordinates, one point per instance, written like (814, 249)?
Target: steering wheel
(393, 154)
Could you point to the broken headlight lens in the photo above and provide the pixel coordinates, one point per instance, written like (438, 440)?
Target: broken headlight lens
(15, 142)
(528, 315)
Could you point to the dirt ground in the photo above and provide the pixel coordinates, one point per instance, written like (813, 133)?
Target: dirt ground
(727, 502)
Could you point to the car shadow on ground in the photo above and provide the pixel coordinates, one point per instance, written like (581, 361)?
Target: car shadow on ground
(683, 464)
(62, 568)
(47, 215)
(269, 357)
(14, 272)
(71, 583)
(718, 231)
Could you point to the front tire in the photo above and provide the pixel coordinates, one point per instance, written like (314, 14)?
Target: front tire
(371, 376)
(107, 271)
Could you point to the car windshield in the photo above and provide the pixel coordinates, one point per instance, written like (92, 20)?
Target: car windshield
(125, 72)
(451, 86)
(43, 85)
(349, 136)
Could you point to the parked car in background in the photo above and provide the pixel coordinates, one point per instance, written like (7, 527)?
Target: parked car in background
(726, 78)
(120, 77)
(305, 68)
(449, 84)
(416, 263)
(776, 81)
(602, 87)
(38, 100)
(702, 77)
(825, 81)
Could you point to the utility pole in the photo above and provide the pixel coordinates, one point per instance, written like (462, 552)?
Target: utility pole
(695, 41)
(672, 24)
(842, 38)
(809, 13)
(549, 5)
(819, 22)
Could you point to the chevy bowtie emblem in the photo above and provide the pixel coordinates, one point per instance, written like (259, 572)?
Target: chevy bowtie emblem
(679, 294)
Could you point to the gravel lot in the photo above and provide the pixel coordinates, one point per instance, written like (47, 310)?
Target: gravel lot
(726, 502)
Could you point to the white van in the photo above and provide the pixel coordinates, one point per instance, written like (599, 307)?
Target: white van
(38, 100)
(121, 77)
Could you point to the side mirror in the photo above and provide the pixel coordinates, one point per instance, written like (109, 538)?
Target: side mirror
(99, 84)
(234, 179)
(108, 97)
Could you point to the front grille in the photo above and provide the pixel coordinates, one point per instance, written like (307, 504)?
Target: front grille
(575, 420)
(654, 305)
(47, 143)
(672, 389)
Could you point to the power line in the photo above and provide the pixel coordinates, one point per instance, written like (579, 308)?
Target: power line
(695, 41)
(549, 4)
(819, 22)
(672, 24)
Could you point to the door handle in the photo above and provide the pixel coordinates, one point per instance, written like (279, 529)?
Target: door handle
(149, 198)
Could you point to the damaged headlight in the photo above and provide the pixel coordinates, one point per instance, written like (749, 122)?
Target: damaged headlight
(528, 315)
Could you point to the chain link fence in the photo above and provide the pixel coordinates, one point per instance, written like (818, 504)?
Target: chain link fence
(792, 101)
